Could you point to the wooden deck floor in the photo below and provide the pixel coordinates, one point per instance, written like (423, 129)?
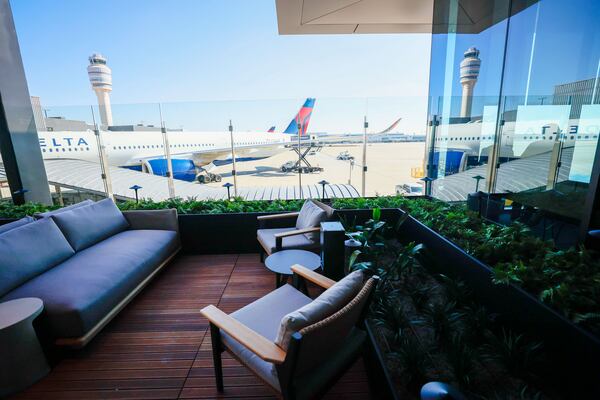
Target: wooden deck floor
(158, 347)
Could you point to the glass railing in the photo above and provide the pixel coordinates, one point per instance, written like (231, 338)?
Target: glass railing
(263, 149)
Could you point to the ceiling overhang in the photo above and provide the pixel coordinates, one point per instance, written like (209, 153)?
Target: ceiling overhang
(300, 17)
(304, 17)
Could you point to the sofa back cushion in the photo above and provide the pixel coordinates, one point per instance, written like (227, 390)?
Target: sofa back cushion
(28, 251)
(64, 209)
(88, 225)
(15, 224)
(329, 302)
(310, 216)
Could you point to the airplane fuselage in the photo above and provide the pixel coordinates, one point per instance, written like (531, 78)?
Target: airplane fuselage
(133, 148)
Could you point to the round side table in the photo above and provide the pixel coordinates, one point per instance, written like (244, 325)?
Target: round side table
(282, 261)
(22, 362)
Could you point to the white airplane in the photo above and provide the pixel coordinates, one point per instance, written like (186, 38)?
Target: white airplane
(190, 151)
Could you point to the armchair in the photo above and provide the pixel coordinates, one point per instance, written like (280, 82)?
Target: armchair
(316, 355)
(301, 229)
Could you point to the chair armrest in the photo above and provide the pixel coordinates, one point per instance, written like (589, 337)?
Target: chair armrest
(313, 276)
(277, 216)
(253, 341)
(279, 236)
(297, 232)
(165, 220)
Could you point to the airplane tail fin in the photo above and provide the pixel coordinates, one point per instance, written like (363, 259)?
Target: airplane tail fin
(391, 127)
(271, 129)
(302, 117)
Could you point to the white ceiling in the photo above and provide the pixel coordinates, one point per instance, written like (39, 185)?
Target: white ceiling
(354, 16)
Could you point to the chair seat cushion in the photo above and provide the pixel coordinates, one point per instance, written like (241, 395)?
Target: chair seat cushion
(264, 316)
(267, 239)
(329, 302)
(78, 293)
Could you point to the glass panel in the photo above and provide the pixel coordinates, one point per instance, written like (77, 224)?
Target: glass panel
(465, 81)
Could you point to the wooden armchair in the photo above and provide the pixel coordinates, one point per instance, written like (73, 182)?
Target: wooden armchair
(299, 232)
(317, 355)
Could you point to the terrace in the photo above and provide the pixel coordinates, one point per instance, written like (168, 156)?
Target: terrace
(120, 240)
(159, 348)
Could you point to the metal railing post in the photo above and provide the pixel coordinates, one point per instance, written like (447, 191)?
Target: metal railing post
(104, 168)
(234, 170)
(364, 159)
(300, 160)
(165, 137)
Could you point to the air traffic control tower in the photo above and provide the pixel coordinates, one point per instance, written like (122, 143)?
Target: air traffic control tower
(101, 79)
(469, 72)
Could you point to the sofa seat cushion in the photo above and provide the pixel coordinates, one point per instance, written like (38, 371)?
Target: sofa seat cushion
(78, 293)
(90, 224)
(300, 242)
(28, 251)
(264, 317)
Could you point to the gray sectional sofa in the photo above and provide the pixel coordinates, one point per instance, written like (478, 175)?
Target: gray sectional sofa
(86, 262)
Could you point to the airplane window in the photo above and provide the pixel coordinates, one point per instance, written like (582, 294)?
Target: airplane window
(587, 137)
(44, 150)
(64, 150)
(119, 147)
(114, 148)
(87, 148)
(578, 136)
(70, 149)
(75, 148)
(543, 137)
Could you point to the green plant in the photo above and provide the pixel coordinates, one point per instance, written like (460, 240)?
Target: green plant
(462, 359)
(412, 359)
(515, 352)
(443, 318)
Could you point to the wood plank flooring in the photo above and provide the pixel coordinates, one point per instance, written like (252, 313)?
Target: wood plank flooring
(158, 347)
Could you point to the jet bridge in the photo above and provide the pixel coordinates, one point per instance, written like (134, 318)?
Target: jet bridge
(85, 176)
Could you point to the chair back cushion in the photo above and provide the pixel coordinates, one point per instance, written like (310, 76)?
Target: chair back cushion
(15, 224)
(322, 340)
(88, 225)
(28, 251)
(64, 209)
(329, 302)
(310, 216)
(329, 211)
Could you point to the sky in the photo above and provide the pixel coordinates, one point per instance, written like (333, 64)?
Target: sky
(213, 60)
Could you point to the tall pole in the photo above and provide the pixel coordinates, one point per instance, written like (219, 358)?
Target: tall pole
(233, 172)
(104, 170)
(165, 137)
(300, 159)
(364, 159)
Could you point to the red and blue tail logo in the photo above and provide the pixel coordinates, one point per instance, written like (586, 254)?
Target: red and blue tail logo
(271, 129)
(302, 117)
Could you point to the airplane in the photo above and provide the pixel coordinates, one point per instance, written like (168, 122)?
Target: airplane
(191, 152)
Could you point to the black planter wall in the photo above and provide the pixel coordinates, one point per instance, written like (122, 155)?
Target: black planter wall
(222, 233)
(575, 351)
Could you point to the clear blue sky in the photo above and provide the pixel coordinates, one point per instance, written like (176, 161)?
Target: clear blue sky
(215, 50)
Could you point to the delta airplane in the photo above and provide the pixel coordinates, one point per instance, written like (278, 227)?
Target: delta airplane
(531, 138)
(191, 152)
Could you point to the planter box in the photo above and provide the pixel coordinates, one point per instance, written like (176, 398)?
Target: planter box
(575, 352)
(221, 233)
